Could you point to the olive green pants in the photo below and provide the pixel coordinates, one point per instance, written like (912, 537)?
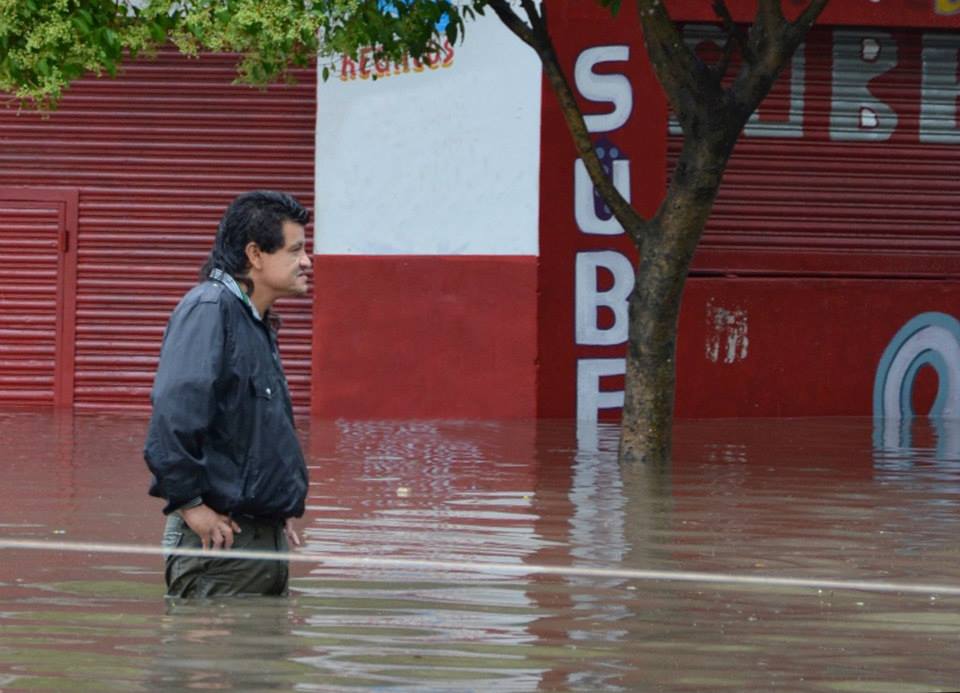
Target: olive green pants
(216, 576)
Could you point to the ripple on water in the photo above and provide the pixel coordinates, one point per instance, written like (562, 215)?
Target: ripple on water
(829, 498)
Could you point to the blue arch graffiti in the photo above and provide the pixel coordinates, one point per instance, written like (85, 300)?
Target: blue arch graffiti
(929, 339)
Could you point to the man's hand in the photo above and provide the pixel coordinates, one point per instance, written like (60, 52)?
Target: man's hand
(215, 530)
(291, 533)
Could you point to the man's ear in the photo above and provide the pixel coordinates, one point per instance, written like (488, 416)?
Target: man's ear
(254, 255)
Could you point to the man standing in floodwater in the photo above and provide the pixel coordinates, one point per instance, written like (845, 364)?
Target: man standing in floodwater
(221, 442)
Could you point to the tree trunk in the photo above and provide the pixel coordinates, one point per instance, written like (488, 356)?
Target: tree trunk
(654, 309)
(654, 304)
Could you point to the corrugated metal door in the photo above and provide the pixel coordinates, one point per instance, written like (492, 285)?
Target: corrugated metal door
(157, 154)
(849, 168)
(36, 278)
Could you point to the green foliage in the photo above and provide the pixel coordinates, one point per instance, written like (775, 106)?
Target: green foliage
(398, 29)
(45, 44)
(271, 35)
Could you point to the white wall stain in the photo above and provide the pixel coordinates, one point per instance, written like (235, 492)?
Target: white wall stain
(727, 337)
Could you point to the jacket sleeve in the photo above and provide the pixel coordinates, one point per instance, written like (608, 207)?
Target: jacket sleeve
(184, 402)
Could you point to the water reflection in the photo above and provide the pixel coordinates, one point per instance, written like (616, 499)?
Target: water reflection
(228, 644)
(833, 498)
(902, 440)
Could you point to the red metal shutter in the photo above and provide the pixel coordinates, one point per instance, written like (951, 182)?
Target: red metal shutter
(28, 301)
(36, 326)
(811, 191)
(157, 154)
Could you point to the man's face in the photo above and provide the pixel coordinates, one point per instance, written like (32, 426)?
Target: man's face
(284, 271)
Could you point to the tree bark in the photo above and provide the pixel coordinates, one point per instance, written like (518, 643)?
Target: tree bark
(654, 308)
(654, 303)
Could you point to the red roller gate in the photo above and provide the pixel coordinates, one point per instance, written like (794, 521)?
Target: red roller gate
(36, 295)
(155, 156)
(849, 167)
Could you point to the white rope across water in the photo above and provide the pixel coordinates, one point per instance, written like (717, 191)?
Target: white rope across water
(493, 568)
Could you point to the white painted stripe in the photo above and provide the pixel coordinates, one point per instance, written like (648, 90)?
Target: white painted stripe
(490, 567)
(443, 161)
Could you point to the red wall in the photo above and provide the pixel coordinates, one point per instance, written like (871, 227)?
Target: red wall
(891, 13)
(792, 347)
(402, 336)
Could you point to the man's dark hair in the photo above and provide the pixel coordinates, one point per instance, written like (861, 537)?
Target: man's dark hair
(256, 216)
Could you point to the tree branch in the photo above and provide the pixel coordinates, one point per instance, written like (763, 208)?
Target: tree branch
(769, 13)
(690, 85)
(674, 61)
(537, 37)
(775, 40)
(798, 29)
(510, 20)
(766, 33)
(736, 36)
(536, 19)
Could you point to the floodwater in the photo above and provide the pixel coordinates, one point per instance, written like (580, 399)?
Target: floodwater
(825, 499)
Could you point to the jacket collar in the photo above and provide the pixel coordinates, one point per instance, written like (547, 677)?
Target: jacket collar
(228, 281)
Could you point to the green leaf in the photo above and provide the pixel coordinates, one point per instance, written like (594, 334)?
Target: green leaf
(612, 5)
(81, 22)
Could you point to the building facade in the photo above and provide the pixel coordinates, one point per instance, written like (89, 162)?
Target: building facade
(835, 228)
(464, 266)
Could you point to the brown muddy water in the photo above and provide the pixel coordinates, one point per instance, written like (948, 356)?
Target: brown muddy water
(825, 499)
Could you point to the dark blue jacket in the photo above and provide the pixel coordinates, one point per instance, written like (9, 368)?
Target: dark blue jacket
(222, 425)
